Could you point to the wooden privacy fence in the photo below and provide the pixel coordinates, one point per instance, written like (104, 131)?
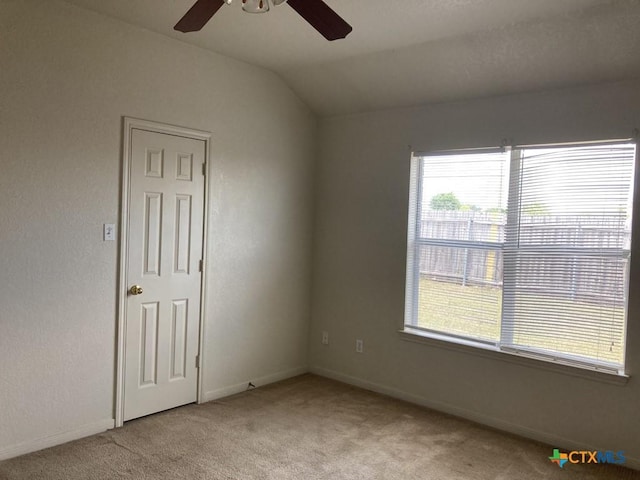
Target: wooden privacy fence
(587, 244)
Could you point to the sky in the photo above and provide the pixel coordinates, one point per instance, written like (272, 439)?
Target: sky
(584, 180)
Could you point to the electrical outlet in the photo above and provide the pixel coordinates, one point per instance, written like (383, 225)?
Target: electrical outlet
(325, 338)
(359, 346)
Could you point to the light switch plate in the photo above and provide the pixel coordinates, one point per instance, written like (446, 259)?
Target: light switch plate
(109, 232)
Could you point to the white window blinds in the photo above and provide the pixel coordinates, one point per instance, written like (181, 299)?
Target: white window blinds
(526, 251)
(458, 246)
(567, 253)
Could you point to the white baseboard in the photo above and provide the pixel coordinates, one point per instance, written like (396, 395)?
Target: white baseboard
(56, 439)
(496, 423)
(258, 382)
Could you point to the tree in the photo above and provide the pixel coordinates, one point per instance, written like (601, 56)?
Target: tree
(445, 201)
(496, 210)
(470, 208)
(536, 209)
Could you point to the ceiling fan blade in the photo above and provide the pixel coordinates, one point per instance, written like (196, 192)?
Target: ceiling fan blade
(322, 18)
(198, 15)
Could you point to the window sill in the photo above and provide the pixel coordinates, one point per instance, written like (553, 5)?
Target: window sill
(488, 351)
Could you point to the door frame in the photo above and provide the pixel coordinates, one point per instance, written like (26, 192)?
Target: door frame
(129, 124)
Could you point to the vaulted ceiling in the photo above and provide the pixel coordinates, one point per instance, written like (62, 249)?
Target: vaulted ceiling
(410, 52)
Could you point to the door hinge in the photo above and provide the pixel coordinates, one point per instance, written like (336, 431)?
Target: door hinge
(197, 361)
(204, 168)
(200, 265)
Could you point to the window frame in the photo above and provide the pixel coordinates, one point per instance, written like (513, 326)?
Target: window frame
(410, 331)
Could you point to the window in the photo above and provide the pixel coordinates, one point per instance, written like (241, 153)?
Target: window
(524, 251)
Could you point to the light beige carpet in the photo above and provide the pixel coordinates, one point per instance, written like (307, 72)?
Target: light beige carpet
(304, 428)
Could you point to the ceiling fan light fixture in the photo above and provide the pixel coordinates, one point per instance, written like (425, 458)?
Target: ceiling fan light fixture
(317, 14)
(255, 6)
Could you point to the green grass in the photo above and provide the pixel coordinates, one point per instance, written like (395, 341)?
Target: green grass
(475, 312)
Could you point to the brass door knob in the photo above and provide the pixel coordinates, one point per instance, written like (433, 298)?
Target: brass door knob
(135, 290)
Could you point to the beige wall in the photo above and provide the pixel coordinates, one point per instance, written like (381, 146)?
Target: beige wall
(359, 268)
(67, 76)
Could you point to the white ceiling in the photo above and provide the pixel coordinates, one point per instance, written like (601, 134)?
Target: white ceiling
(408, 52)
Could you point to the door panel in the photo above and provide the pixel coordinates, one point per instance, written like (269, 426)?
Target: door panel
(166, 200)
(152, 233)
(179, 328)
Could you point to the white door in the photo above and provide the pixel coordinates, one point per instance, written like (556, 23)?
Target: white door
(166, 201)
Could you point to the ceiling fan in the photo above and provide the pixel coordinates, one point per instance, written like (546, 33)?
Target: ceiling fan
(316, 12)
